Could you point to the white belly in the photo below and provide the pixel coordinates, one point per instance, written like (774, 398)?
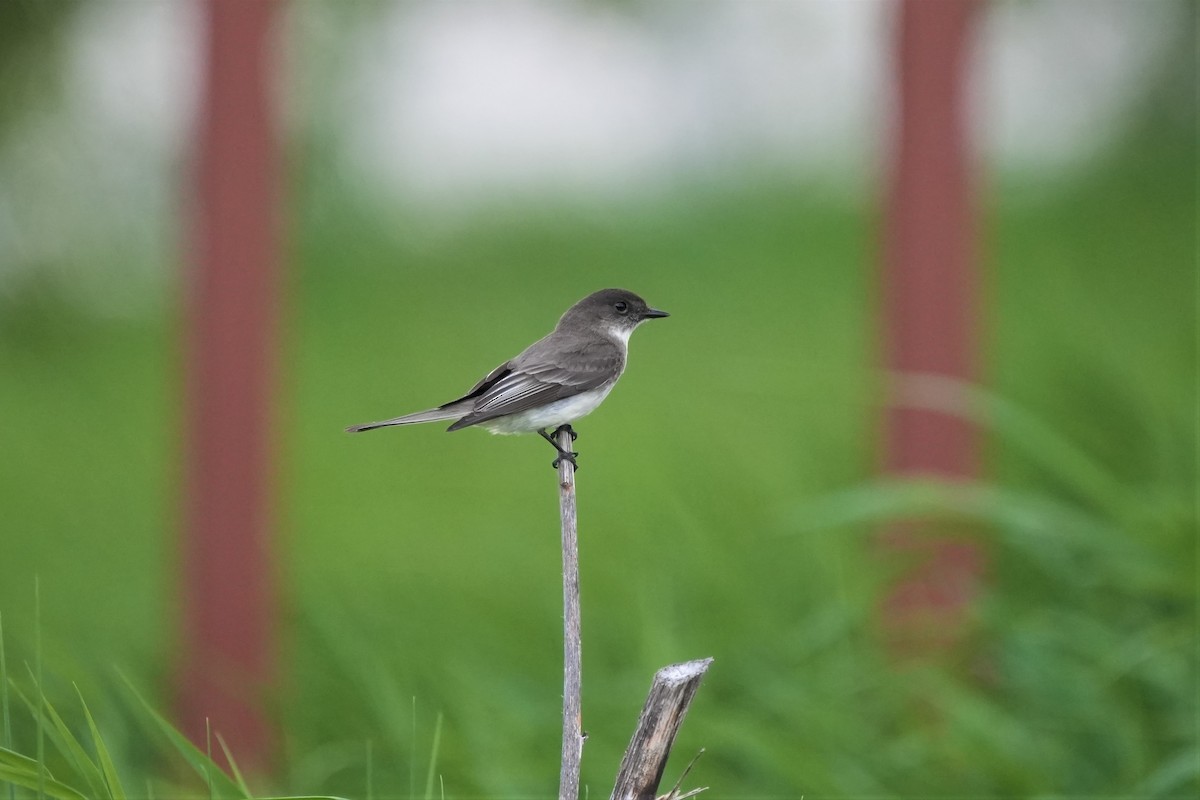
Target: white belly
(560, 412)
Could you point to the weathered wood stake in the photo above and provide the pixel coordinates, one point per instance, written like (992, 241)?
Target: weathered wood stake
(572, 736)
(667, 704)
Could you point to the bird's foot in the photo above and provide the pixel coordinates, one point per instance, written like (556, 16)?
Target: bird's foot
(566, 428)
(563, 455)
(566, 456)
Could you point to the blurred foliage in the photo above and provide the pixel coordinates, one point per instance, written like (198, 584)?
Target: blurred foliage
(727, 498)
(31, 33)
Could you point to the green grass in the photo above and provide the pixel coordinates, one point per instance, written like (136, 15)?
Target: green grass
(87, 763)
(421, 570)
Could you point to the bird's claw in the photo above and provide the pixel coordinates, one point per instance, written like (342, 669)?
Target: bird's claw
(568, 429)
(564, 455)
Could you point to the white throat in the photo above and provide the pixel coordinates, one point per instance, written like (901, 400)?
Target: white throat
(619, 334)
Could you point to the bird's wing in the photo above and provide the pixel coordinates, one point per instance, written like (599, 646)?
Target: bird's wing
(485, 383)
(552, 369)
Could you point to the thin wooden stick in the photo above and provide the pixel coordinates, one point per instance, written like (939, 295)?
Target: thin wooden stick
(670, 695)
(572, 736)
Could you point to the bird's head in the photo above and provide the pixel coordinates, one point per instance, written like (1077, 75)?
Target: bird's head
(616, 311)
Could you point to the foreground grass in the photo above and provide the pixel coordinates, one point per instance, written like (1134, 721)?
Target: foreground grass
(85, 761)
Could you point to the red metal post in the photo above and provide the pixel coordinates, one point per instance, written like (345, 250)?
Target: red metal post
(226, 664)
(930, 304)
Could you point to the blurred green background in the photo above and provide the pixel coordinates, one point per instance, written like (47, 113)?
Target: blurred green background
(420, 571)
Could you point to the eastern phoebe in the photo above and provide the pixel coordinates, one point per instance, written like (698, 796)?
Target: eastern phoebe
(554, 381)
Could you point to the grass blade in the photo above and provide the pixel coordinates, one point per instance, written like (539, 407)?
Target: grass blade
(1051, 533)
(233, 767)
(1018, 427)
(205, 767)
(370, 774)
(208, 752)
(107, 768)
(60, 735)
(37, 658)
(433, 756)
(19, 770)
(4, 711)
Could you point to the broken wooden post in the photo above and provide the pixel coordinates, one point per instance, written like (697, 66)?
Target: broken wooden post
(667, 704)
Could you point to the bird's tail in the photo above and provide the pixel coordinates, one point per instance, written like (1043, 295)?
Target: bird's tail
(432, 415)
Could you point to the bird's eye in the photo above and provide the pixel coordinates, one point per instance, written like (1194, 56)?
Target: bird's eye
(621, 306)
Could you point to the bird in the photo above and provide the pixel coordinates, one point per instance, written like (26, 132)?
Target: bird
(555, 381)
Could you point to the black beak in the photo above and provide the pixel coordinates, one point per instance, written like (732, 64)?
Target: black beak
(654, 313)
